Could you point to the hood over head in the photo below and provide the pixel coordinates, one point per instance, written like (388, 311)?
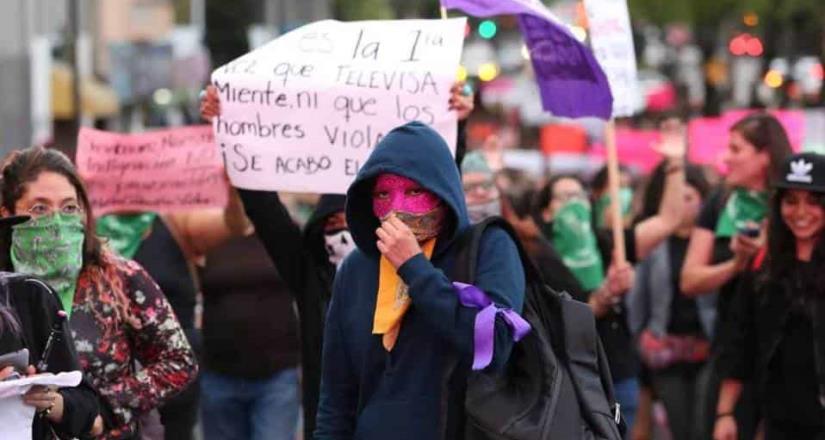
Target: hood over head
(327, 205)
(417, 152)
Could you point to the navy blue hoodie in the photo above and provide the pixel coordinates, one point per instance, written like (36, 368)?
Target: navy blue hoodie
(369, 393)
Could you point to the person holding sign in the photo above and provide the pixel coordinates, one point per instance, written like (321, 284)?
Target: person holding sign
(395, 319)
(730, 229)
(119, 317)
(307, 260)
(776, 336)
(31, 318)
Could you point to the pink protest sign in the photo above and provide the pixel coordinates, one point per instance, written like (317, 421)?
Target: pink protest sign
(707, 140)
(635, 148)
(159, 171)
(708, 137)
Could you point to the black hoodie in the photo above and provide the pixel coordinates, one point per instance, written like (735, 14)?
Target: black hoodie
(303, 264)
(367, 392)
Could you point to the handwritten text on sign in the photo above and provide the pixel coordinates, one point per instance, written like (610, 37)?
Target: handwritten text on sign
(303, 112)
(612, 41)
(157, 171)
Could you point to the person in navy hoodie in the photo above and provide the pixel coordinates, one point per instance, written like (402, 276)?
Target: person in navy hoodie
(396, 321)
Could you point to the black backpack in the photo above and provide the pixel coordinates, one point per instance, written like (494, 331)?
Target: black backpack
(556, 383)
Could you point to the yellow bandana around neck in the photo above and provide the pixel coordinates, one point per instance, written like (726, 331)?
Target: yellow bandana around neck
(393, 299)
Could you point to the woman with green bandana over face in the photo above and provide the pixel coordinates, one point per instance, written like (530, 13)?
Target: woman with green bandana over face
(565, 211)
(729, 231)
(128, 340)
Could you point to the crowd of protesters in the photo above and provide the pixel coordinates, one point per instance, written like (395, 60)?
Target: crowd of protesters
(343, 328)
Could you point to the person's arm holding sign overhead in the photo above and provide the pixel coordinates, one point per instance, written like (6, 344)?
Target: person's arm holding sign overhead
(199, 231)
(272, 221)
(309, 129)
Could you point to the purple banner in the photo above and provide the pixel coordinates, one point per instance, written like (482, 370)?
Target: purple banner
(571, 82)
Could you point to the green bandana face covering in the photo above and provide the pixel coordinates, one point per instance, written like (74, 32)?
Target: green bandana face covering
(51, 247)
(573, 238)
(603, 204)
(743, 207)
(125, 233)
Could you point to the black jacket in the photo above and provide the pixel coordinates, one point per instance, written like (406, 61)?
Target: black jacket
(243, 293)
(761, 313)
(35, 307)
(302, 263)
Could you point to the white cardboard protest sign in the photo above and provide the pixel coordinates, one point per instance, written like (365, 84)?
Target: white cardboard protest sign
(303, 112)
(612, 40)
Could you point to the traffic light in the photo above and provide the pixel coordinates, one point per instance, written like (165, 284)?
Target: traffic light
(487, 29)
(488, 71)
(746, 44)
(818, 72)
(774, 79)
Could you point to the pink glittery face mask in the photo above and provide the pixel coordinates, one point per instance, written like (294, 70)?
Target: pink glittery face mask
(421, 210)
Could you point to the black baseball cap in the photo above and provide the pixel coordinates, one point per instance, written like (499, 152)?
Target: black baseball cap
(805, 171)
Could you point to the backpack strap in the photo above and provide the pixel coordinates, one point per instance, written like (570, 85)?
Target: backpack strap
(468, 246)
(464, 269)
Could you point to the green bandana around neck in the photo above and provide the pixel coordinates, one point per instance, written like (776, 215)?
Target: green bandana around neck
(51, 248)
(743, 207)
(125, 233)
(603, 204)
(574, 239)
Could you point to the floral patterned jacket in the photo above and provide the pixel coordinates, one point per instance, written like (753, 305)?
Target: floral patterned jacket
(129, 342)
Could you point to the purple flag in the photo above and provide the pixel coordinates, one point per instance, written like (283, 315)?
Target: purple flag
(571, 81)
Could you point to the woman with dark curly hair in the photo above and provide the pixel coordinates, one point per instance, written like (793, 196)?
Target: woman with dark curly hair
(128, 340)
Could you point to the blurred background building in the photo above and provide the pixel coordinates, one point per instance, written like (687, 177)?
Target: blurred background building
(138, 64)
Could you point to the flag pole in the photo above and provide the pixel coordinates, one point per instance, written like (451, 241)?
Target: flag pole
(613, 189)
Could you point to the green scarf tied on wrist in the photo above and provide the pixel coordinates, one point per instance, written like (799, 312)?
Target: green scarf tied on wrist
(574, 239)
(125, 233)
(743, 207)
(51, 248)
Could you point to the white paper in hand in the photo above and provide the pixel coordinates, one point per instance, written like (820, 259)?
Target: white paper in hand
(16, 417)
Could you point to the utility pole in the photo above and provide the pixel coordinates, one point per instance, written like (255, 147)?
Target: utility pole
(74, 60)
